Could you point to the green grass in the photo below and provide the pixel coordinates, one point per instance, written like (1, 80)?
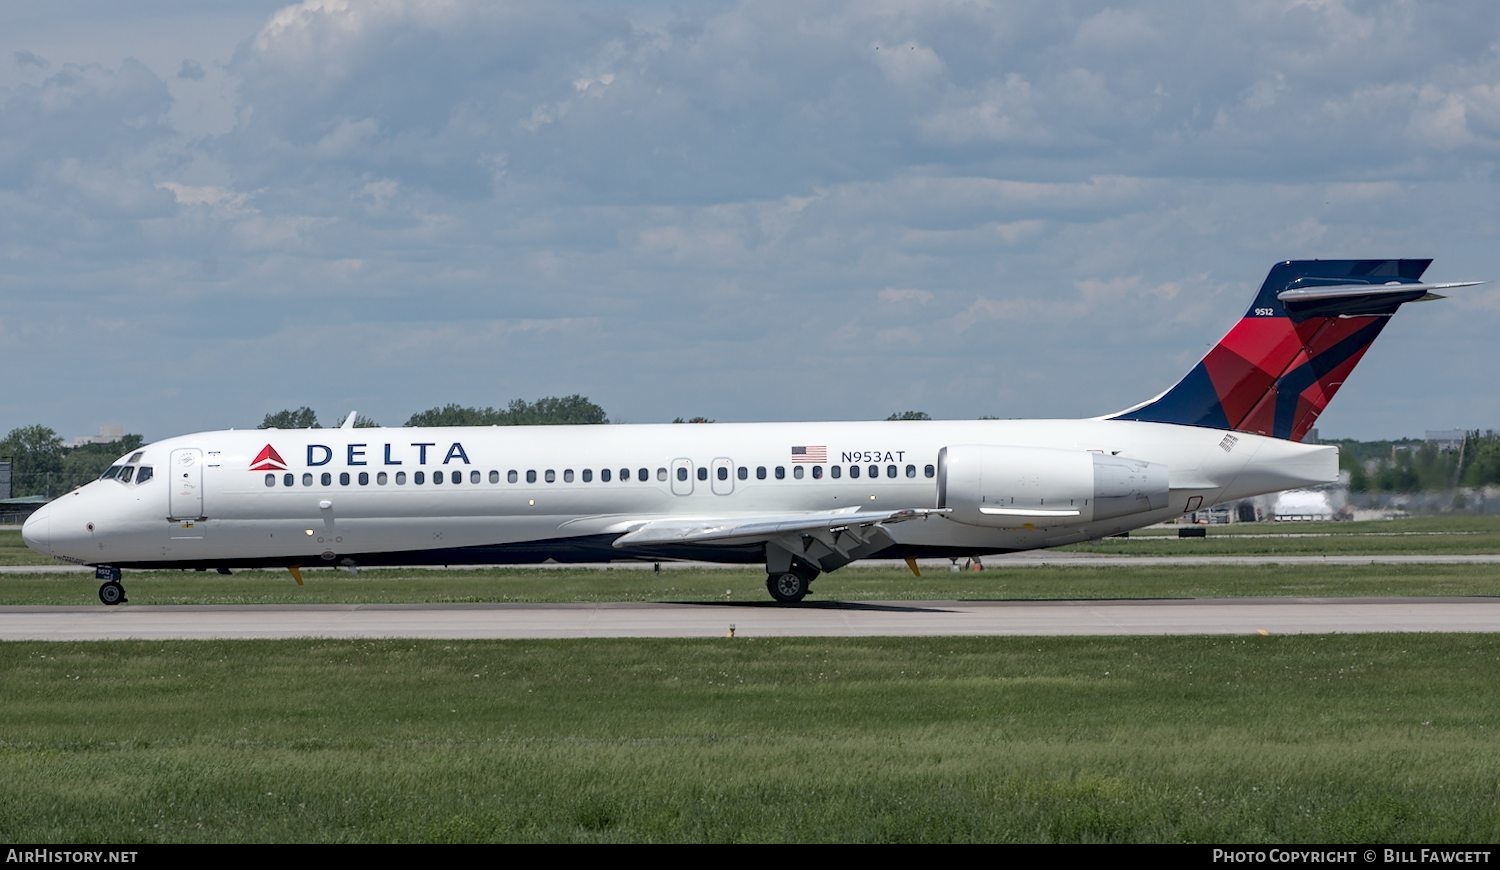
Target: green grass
(1377, 738)
(1422, 536)
(855, 583)
(748, 584)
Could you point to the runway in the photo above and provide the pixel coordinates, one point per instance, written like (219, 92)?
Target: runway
(1246, 616)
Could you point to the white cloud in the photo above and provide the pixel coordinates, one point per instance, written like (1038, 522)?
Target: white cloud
(990, 187)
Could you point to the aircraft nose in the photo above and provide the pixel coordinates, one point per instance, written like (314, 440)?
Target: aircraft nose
(37, 530)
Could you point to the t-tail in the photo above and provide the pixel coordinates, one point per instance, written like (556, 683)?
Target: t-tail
(1279, 367)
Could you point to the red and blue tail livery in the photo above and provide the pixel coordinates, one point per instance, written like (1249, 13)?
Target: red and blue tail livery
(1281, 364)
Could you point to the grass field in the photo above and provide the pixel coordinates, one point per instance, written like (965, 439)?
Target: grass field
(1378, 738)
(326, 586)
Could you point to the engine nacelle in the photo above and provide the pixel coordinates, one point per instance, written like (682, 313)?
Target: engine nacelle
(1013, 487)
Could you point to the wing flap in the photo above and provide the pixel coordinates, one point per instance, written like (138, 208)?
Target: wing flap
(744, 529)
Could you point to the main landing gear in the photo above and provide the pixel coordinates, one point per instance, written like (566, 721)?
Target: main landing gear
(112, 591)
(790, 587)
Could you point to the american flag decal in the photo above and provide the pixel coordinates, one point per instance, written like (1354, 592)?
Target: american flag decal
(810, 453)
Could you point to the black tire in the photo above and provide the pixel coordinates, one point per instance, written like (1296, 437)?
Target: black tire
(788, 587)
(112, 593)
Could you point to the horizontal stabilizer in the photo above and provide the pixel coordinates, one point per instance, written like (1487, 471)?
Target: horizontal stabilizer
(1356, 299)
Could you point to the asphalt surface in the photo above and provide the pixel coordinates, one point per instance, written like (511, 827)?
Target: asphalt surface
(1246, 616)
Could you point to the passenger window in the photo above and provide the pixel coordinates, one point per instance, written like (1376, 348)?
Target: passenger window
(604, 475)
(364, 478)
(474, 476)
(343, 478)
(145, 474)
(760, 472)
(531, 475)
(511, 476)
(588, 475)
(781, 472)
(624, 474)
(437, 477)
(682, 474)
(702, 473)
(494, 476)
(722, 473)
(127, 474)
(797, 471)
(307, 479)
(643, 474)
(400, 478)
(911, 471)
(742, 473)
(550, 476)
(418, 477)
(326, 478)
(837, 470)
(661, 474)
(270, 480)
(455, 477)
(928, 471)
(381, 478)
(874, 471)
(817, 472)
(567, 475)
(288, 479)
(854, 471)
(890, 471)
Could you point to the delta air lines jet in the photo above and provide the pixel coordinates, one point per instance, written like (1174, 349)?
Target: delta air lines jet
(800, 498)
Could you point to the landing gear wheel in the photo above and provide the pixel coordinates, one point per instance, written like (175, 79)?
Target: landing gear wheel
(787, 588)
(112, 593)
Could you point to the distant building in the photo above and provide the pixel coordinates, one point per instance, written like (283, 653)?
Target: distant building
(4, 478)
(107, 435)
(1446, 440)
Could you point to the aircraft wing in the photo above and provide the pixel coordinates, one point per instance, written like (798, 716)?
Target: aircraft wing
(765, 527)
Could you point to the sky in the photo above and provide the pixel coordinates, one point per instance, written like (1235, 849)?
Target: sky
(212, 210)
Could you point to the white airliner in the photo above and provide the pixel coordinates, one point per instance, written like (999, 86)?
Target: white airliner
(801, 498)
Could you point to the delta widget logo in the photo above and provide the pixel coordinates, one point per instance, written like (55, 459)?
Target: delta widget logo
(268, 460)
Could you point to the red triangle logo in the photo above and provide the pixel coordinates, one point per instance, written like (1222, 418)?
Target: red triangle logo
(268, 460)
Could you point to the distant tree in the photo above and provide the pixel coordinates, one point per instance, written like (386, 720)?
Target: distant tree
(452, 415)
(909, 415)
(549, 410)
(693, 420)
(567, 410)
(36, 455)
(86, 462)
(1484, 469)
(302, 418)
(363, 422)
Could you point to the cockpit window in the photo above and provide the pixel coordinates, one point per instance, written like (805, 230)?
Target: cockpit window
(135, 458)
(143, 475)
(111, 473)
(127, 474)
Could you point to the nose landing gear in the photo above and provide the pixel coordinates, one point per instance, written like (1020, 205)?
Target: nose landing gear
(112, 591)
